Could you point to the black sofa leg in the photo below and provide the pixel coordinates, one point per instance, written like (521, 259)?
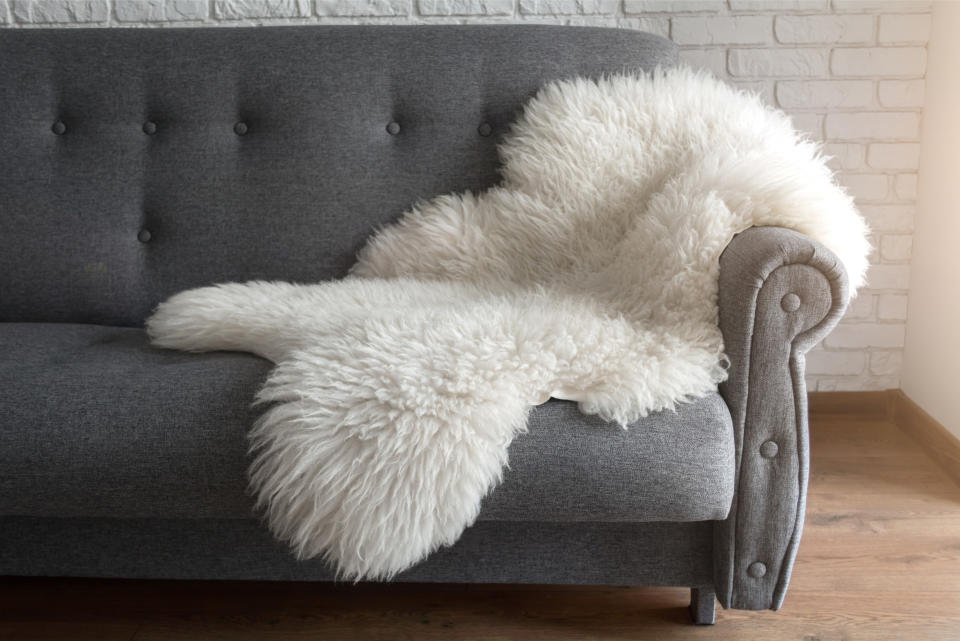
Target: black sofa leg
(703, 606)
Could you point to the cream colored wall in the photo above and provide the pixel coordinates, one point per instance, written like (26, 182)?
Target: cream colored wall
(931, 371)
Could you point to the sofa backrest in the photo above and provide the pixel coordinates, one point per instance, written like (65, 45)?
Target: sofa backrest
(138, 163)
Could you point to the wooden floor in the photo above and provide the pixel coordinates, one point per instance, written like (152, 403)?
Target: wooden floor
(880, 559)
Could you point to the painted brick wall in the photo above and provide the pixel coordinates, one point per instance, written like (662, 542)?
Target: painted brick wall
(850, 72)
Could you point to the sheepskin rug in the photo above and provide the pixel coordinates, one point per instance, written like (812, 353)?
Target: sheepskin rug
(589, 274)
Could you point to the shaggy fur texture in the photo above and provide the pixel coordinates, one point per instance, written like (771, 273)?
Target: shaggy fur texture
(589, 274)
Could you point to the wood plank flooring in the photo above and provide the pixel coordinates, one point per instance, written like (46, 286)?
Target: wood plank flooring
(880, 559)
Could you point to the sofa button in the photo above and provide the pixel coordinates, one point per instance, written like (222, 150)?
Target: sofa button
(149, 128)
(144, 236)
(790, 303)
(769, 449)
(393, 128)
(485, 129)
(240, 128)
(757, 569)
(59, 128)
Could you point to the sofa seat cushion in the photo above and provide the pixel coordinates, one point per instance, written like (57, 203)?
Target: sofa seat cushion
(94, 422)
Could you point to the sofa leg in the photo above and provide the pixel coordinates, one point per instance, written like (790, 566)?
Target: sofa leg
(703, 605)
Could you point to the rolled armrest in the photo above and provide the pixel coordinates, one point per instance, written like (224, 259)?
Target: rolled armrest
(780, 292)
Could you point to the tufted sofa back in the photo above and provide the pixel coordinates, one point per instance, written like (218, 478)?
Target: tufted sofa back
(138, 163)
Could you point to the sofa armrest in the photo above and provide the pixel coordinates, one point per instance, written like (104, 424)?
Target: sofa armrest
(780, 293)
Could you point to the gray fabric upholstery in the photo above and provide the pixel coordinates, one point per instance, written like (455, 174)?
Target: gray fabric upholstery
(765, 337)
(703, 605)
(293, 193)
(670, 466)
(95, 422)
(98, 424)
(488, 552)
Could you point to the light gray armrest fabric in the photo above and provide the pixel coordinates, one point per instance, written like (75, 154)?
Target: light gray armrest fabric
(780, 293)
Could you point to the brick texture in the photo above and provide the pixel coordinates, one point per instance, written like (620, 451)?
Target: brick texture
(901, 93)
(825, 94)
(561, 7)
(825, 29)
(845, 155)
(717, 30)
(778, 62)
(850, 73)
(867, 125)
(885, 155)
(61, 11)
(889, 218)
(672, 6)
(465, 7)
(905, 186)
(879, 61)
(161, 10)
(242, 9)
(904, 28)
(896, 248)
(892, 307)
(353, 8)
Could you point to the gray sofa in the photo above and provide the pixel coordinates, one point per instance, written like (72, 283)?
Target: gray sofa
(138, 163)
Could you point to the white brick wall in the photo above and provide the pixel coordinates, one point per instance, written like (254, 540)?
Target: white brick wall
(849, 72)
(828, 29)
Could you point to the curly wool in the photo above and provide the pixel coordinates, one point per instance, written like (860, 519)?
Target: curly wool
(588, 274)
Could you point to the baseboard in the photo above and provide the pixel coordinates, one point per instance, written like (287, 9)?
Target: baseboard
(893, 405)
(865, 404)
(937, 441)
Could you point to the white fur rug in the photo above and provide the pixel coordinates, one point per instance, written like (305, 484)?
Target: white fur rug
(589, 274)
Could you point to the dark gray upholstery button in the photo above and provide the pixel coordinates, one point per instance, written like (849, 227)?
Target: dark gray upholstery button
(485, 129)
(393, 128)
(769, 449)
(757, 569)
(149, 128)
(59, 128)
(240, 128)
(144, 236)
(790, 303)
